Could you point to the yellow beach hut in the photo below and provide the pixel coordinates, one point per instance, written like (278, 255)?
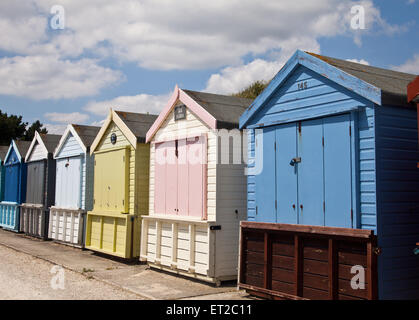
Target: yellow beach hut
(121, 177)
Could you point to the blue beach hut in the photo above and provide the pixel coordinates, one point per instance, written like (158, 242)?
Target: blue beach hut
(332, 153)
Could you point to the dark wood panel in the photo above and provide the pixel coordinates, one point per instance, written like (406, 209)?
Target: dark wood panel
(352, 259)
(254, 281)
(315, 267)
(314, 294)
(254, 244)
(344, 272)
(344, 297)
(255, 270)
(316, 253)
(283, 275)
(283, 262)
(282, 246)
(344, 287)
(315, 281)
(254, 257)
(283, 287)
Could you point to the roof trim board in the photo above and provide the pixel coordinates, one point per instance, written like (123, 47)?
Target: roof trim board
(113, 116)
(196, 108)
(68, 130)
(14, 146)
(350, 82)
(36, 139)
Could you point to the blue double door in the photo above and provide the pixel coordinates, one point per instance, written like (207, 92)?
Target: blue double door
(307, 173)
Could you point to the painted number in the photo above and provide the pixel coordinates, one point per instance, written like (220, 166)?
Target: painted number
(302, 85)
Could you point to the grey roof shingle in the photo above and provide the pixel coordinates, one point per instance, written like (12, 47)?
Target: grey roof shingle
(3, 152)
(225, 109)
(87, 134)
(23, 147)
(51, 141)
(138, 123)
(393, 84)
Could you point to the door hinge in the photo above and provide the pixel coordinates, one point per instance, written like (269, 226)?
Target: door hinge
(256, 210)
(324, 206)
(276, 204)
(323, 141)
(299, 128)
(350, 131)
(275, 146)
(352, 216)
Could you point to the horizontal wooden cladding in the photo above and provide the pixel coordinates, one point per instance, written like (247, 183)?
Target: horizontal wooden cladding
(282, 264)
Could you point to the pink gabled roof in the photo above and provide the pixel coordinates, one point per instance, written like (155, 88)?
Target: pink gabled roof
(197, 109)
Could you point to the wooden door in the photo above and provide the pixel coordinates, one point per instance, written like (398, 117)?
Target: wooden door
(196, 157)
(266, 180)
(68, 183)
(337, 171)
(286, 174)
(35, 190)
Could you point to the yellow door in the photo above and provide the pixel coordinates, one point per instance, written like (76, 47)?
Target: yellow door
(111, 181)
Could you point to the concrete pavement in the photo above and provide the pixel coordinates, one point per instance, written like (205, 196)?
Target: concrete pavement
(133, 277)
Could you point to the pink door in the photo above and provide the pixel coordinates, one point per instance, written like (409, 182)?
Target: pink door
(196, 149)
(171, 178)
(183, 177)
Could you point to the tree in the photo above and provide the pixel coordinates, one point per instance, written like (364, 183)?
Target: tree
(11, 127)
(36, 126)
(253, 90)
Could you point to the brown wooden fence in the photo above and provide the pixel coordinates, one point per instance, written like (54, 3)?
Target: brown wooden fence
(283, 261)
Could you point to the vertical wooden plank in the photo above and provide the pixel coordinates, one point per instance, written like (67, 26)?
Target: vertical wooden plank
(72, 226)
(191, 247)
(174, 244)
(267, 260)
(101, 233)
(333, 270)
(372, 269)
(242, 256)
(158, 241)
(298, 266)
(144, 239)
(65, 226)
(114, 235)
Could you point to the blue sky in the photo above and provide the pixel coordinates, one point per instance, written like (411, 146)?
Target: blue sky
(130, 54)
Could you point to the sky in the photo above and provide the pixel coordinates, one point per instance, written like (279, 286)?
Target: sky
(69, 61)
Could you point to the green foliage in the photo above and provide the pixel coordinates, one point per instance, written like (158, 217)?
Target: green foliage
(12, 127)
(36, 126)
(252, 91)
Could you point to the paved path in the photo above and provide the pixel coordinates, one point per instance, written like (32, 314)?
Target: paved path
(25, 273)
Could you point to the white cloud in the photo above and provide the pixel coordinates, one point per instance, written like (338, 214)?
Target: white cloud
(47, 77)
(233, 79)
(74, 117)
(55, 128)
(410, 66)
(361, 61)
(182, 34)
(141, 103)
(410, 1)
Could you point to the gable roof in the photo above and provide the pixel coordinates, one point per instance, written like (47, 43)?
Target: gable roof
(20, 147)
(392, 83)
(47, 141)
(84, 135)
(377, 85)
(215, 110)
(133, 125)
(413, 90)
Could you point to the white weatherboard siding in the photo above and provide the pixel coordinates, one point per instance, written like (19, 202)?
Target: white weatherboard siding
(38, 153)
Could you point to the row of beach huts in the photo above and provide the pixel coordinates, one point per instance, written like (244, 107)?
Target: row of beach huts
(311, 191)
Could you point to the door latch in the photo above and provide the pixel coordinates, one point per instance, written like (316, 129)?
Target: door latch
(294, 161)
